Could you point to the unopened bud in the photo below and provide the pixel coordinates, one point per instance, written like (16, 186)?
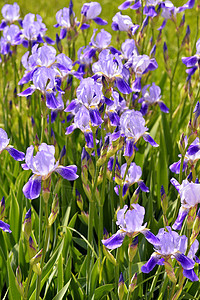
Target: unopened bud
(133, 283)
(164, 201)
(18, 282)
(27, 226)
(181, 144)
(31, 248)
(191, 217)
(109, 256)
(169, 270)
(18, 274)
(37, 269)
(121, 287)
(85, 217)
(132, 249)
(79, 200)
(36, 259)
(58, 43)
(2, 208)
(54, 211)
(196, 227)
(135, 197)
(46, 189)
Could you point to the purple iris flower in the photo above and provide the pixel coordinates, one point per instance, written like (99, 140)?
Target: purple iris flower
(83, 59)
(149, 9)
(89, 94)
(4, 145)
(63, 18)
(191, 157)
(192, 62)
(151, 97)
(133, 175)
(44, 56)
(140, 65)
(137, 4)
(124, 23)
(65, 65)
(10, 14)
(129, 49)
(115, 108)
(43, 165)
(130, 223)
(111, 68)
(102, 41)
(44, 80)
(170, 245)
(34, 31)
(91, 10)
(10, 38)
(169, 11)
(82, 121)
(132, 126)
(190, 197)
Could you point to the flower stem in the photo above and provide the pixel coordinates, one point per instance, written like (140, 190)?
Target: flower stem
(155, 279)
(28, 283)
(38, 284)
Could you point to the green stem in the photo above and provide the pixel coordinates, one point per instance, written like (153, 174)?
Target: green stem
(102, 200)
(164, 286)
(49, 127)
(112, 194)
(38, 284)
(155, 279)
(28, 283)
(90, 228)
(95, 145)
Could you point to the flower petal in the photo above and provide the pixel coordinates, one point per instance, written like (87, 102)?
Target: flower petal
(32, 188)
(150, 237)
(68, 172)
(17, 155)
(150, 140)
(151, 263)
(123, 86)
(181, 217)
(5, 227)
(115, 241)
(190, 274)
(185, 262)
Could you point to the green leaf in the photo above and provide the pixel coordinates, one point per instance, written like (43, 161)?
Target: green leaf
(14, 217)
(13, 291)
(93, 278)
(62, 292)
(60, 273)
(102, 291)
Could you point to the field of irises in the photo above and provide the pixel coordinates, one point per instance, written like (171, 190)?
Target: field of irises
(99, 182)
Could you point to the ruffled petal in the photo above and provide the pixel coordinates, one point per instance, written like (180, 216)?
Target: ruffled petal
(150, 237)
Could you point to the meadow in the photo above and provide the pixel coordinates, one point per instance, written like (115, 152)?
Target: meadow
(99, 150)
